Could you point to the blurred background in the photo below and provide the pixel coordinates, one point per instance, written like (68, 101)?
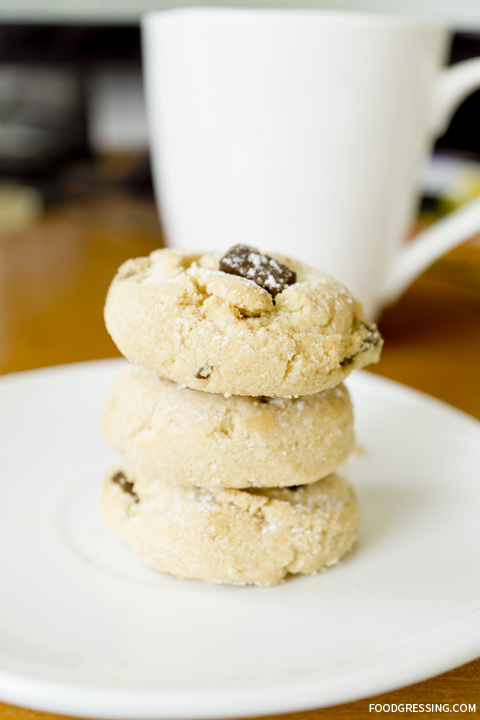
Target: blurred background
(76, 195)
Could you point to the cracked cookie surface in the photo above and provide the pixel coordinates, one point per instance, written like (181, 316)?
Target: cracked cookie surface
(183, 318)
(197, 438)
(238, 537)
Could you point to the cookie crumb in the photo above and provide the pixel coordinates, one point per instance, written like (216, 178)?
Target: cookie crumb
(204, 372)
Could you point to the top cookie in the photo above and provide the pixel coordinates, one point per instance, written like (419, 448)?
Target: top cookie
(276, 327)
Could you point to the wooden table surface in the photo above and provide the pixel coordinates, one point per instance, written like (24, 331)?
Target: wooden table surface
(54, 274)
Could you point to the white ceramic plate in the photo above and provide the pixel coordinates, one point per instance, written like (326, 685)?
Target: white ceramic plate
(85, 630)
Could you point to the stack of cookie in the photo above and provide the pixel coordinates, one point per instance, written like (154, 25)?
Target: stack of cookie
(232, 415)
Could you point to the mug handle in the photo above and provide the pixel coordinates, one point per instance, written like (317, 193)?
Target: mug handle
(456, 83)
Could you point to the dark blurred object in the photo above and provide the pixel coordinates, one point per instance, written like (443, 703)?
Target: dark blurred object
(462, 134)
(43, 104)
(42, 118)
(79, 44)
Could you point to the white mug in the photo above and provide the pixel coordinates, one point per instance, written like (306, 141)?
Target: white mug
(304, 132)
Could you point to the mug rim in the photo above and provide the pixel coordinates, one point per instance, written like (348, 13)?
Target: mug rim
(347, 17)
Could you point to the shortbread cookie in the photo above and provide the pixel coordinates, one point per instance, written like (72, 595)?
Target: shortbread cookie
(232, 536)
(251, 328)
(196, 438)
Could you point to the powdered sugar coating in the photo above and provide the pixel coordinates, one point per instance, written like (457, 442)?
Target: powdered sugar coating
(196, 438)
(177, 313)
(233, 536)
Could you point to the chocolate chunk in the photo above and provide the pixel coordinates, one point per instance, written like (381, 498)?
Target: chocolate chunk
(347, 361)
(292, 488)
(204, 372)
(261, 269)
(264, 399)
(120, 479)
(372, 339)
